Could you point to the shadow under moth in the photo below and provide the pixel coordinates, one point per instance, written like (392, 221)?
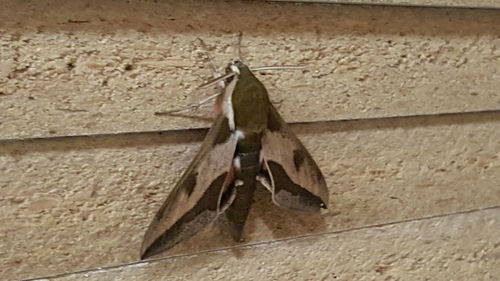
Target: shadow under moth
(248, 143)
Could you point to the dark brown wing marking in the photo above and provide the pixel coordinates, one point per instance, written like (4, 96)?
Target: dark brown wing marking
(298, 181)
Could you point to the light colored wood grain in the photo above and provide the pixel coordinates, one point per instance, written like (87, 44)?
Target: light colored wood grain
(88, 67)
(63, 64)
(73, 204)
(457, 247)
(413, 3)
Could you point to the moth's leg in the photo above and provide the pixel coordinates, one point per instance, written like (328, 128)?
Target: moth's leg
(268, 183)
(217, 79)
(265, 183)
(189, 106)
(227, 192)
(226, 199)
(221, 84)
(216, 73)
(278, 67)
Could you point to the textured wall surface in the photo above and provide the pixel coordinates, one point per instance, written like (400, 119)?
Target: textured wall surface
(413, 197)
(431, 3)
(433, 249)
(64, 67)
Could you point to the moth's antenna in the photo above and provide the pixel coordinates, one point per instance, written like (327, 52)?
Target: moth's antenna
(238, 46)
(278, 67)
(218, 80)
(187, 107)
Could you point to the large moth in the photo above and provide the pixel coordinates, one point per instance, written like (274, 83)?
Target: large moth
(248, 143)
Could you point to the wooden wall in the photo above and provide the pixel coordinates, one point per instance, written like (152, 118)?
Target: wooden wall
(413, 173)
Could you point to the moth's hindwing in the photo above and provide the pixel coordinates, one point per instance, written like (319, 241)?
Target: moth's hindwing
(298, 181)
(194, 201)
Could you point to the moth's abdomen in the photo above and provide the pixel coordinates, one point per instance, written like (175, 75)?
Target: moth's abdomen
(247, 168)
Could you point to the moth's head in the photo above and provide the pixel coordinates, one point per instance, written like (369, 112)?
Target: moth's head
(236, 67)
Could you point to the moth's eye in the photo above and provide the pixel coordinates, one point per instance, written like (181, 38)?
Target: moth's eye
(228, 80)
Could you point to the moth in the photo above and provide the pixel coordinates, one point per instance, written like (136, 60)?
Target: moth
(248, 143)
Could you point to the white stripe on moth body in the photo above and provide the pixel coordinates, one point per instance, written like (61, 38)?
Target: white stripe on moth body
(227, 104)
(237, 163)
(239, 134)
(234, 69)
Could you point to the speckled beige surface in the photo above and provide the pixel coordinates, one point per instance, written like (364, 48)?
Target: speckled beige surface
(430, 3)
(63, 64)
(87, 67)
(445, 248)
(69, 205)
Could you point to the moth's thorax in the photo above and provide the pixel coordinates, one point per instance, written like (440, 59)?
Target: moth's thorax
(249, 101)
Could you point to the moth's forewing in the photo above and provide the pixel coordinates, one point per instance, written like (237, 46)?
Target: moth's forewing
(298, 181)
(195, 200)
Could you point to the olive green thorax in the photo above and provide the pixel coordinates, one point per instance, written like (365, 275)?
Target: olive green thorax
(250, 103)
